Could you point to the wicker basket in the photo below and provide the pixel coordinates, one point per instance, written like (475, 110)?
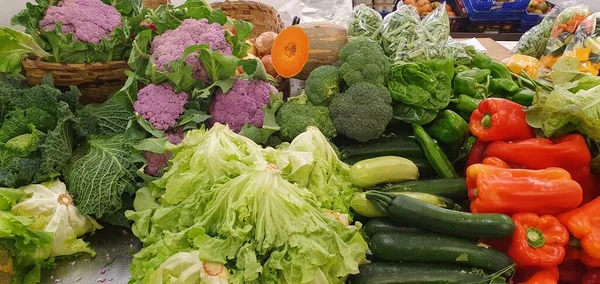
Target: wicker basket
(262, 16)
(96, 81)
(155, 3)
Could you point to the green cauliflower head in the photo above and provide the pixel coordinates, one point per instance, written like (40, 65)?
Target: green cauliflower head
(298, 114)
(364, 61)
(362, 112)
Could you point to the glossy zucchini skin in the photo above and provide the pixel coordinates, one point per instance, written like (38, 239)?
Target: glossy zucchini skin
(436, 248)
(416, 273)
(419, 214)
(453, 188)
(386, 225)
(386, 169)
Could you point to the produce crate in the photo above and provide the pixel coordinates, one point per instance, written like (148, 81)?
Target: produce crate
(461, 21)
(530, 20)
(493, 26)
(494, 13)
(501, 5)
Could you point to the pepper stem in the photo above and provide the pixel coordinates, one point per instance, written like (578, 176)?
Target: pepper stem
(486, 121)
(535, 237)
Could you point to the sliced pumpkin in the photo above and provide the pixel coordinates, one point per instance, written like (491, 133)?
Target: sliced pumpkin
(300, 49)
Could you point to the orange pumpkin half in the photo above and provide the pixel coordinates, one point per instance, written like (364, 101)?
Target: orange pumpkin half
(300, 49)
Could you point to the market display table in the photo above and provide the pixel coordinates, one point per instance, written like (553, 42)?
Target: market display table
(114, 248)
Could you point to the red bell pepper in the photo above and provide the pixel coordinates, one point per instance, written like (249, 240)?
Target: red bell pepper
(495, 188)
(537, 241)
(498, 119)
(584, 224)
(477, 153)
(569, 152)
(547, 275)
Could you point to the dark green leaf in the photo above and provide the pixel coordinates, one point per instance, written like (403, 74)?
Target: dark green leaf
(193, 116)
(148, 127)
(154, 145)
(140, 52)
(270, 126)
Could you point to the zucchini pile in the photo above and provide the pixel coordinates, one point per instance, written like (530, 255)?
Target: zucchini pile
(417, 229)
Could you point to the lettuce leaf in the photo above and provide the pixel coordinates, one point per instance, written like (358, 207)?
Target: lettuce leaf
(14, 45)
(329, 176)
(564, 110)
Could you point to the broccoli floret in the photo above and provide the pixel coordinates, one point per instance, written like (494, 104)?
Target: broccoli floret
(322, 84)
(298, 114)
(362, 112)
(364, 61)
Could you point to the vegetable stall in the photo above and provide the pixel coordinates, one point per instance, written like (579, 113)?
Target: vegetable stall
(408, 157)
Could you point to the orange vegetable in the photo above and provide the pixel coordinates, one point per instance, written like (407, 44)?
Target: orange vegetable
(448, 8)
(410, 2)
(451, 14)
(300, 49)
(583, 54)
(427, 8)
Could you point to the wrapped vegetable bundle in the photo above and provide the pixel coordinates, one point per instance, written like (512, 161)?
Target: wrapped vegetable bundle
(364, 22)
(533, 42)
(562, 33)
(585, 46)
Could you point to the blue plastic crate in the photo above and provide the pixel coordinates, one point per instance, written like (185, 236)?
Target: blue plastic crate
(506, 5)
(501, 14)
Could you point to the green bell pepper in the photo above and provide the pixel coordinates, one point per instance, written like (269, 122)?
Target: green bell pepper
(524, 97)
(467, 104)
(481, 75)
(503, 87)
(452, 128)
(499, 70)
(469, 86)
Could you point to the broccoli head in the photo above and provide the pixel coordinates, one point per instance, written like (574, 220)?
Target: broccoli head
(362, 112)
(298, 114)
(322, 84)
(364, 61)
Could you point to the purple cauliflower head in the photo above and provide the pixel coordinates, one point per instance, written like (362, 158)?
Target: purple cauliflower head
(241, 104)
(175, 135)
(87, 20)
(160, 105)
(155, 163)
(170, 46)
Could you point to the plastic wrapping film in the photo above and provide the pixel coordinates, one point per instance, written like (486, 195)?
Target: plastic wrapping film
(533, 42)
(585, 46)
(310, 11)
(562, 34)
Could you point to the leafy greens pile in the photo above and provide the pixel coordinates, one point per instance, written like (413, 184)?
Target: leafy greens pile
(231, 202)
(45, 133)
(420, 90)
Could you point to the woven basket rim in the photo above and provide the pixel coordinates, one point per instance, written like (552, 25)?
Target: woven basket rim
(39, 62)
(248, 4)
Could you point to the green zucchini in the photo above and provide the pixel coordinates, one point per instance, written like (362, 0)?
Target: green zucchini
(364, 207)
(380, 225)
(371, 172)
(419, 273)
(453, 188)
(414, 212)
(402, 146)
(431, 247)
(425, 168)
